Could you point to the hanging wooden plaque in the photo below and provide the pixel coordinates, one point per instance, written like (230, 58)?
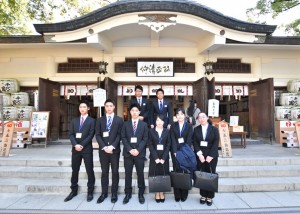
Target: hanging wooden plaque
(225, 140)
(7, 138)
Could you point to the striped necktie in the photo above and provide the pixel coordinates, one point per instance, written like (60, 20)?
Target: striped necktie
(134, 127)
(108, 125)
(160, 106)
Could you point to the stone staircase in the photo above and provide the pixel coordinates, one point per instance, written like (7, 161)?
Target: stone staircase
(44, 171)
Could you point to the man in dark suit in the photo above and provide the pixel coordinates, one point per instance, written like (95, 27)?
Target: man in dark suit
(142, 102)
(161, 106)
(134, 138)
(108, 135)
(81, 133)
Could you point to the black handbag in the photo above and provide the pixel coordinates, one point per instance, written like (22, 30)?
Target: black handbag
(181, 180)
(206, 180)
(159, 183)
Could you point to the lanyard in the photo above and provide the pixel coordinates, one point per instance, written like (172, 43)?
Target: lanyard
(183, 127)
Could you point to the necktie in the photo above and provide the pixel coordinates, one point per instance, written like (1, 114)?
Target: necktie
(134, 127)
(109, 123)
(140, 102)
(160, 106)
(81, 122)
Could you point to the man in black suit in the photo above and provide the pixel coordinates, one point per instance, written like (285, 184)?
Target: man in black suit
(81, 133)
(134, 138)
(108, 135)
(143, 103)
(161, 106)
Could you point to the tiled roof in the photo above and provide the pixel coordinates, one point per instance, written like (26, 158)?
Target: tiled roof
(130, 6)
(276, 40)
(22, 39)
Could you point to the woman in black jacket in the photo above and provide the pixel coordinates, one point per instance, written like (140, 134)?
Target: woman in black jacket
(181, 132)
(206, 141)
(159, 145)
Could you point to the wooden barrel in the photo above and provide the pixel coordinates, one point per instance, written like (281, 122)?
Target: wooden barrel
(283, 112)
(293, 86)
(6, 99)
(24, 112)
(295, 113)
(20, 99)
(9, 85)
(9, 113)
(289, 99)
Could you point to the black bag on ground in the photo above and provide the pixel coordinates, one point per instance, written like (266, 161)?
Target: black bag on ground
(206, 180)
(181, 180)
(159, 183)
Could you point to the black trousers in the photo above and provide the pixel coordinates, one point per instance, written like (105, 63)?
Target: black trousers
(178, 193)
(107, 160)
(206, 168)
(139, 163)
(89, 167)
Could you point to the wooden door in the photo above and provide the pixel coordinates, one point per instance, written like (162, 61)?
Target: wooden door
(203, 90)
(111, 88)
(49, 100)
(261, 109)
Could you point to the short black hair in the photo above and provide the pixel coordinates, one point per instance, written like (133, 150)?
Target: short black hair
(138, 87)
(160, 89)
(134, 105)
(180, 109)
(160, 116)
(84, 102)
(109, 101)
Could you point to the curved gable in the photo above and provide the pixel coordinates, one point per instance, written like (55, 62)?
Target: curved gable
(131, 6)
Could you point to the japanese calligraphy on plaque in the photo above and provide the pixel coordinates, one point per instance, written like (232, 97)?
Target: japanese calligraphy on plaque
(155, 69)
(225, 140)
(7, 138)
(297, 125)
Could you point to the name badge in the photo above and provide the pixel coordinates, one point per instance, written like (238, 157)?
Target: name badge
(78, 135)
(166, 106)
(105, 134)
(160, 147)
(203, 143)
(133, 140)
(144, 104)
(180, 140)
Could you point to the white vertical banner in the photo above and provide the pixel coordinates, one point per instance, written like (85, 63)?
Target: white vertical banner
(99, 95)
(213, 108)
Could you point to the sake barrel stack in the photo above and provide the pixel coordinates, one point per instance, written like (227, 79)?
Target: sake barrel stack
(24, 112)
(9, 85)
(9, 113)
(20, 99)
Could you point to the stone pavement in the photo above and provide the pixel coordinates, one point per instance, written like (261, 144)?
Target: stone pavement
(252, 202)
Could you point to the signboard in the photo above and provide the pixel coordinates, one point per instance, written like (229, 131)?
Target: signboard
(39, 124)
(225, 140)
(7, 138)
(297, 125)
(99, 95)
(234, 121)
(213, 108)
(154, 69)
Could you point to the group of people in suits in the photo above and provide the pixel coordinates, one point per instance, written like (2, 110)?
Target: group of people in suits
(151, 125)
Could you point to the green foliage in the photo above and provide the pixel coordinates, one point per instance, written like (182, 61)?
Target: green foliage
(276, 8)
(16, 15)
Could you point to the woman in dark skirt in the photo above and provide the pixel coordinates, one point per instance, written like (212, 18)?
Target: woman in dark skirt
(159, 145)
(180, 132)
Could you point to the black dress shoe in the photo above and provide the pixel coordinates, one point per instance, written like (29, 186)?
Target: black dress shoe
(90, 197)
(70, 196)
(127, 198)
(202, 200)
(141, 199)
(177, 199)
(183, 199)
(114, 197)
(209, 202)
(101, 198)
(162, 200)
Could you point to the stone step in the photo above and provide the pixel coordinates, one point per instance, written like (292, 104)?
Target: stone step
(261, 184)
(223, 171)
(13, 161)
